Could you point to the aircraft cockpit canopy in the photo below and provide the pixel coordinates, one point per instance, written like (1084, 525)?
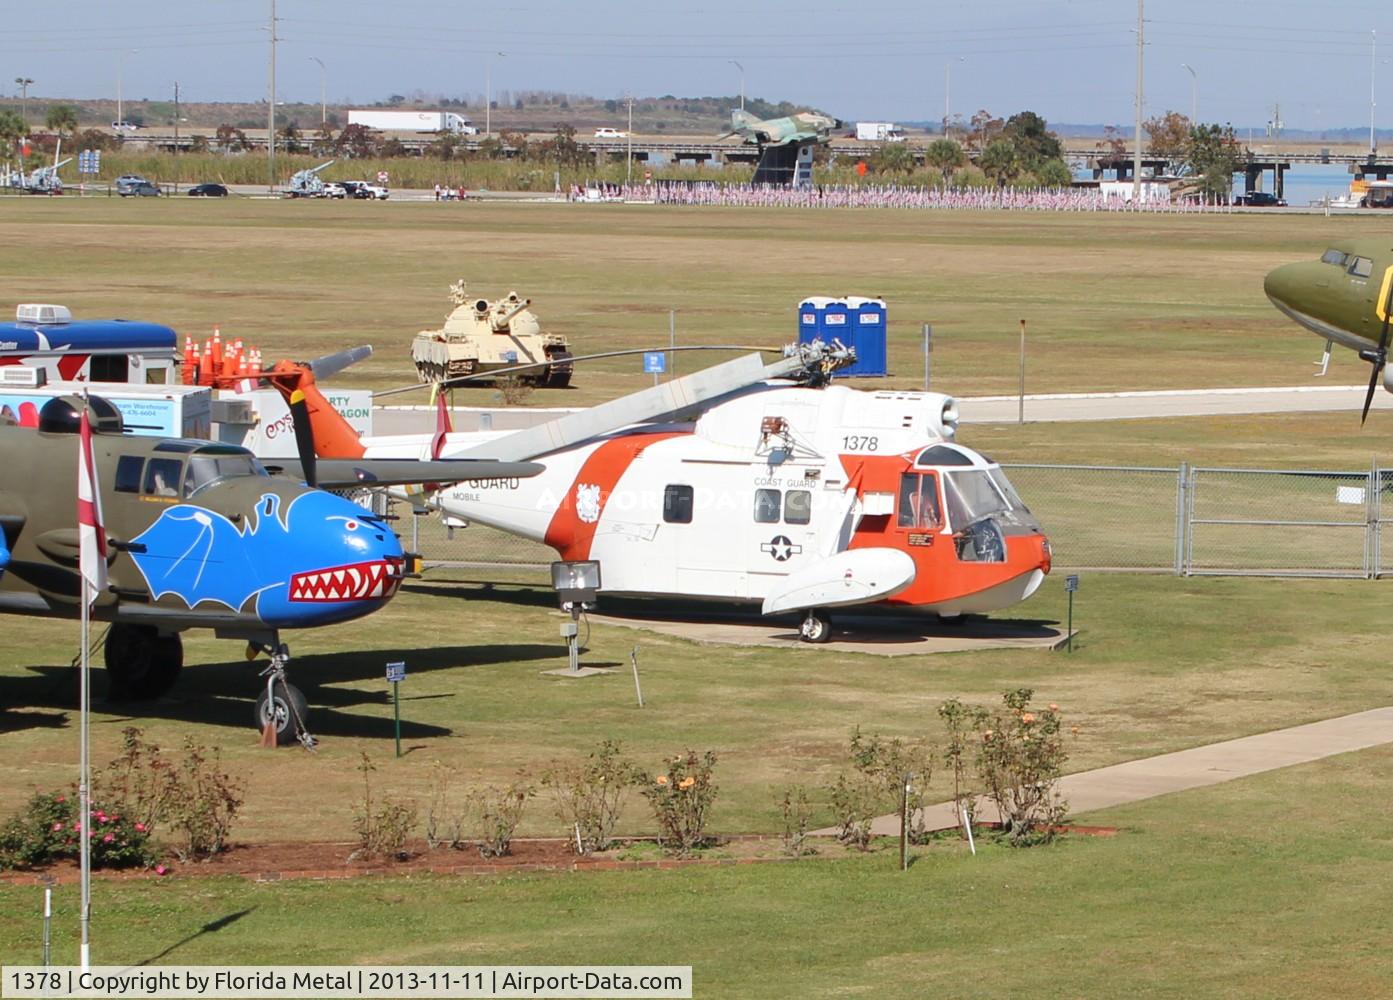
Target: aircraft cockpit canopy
(1354, 266)
(213, 463)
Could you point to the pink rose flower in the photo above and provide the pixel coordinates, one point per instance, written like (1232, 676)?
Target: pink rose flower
(161, 870)
(140, 827)
(108, 839)
(57, 827)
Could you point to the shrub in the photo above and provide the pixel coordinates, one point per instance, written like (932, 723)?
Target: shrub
(589, 795)
(500, 812)
(138, 781)
(1020, 757)
(205, 804)
(198, 801)
(47, 830)
(796, 812)
(681, 798)
(444, 826)
(962, 722)
(874, 786)
(382, 830)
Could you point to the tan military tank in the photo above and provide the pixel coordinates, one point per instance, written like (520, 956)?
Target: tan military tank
(480, 336)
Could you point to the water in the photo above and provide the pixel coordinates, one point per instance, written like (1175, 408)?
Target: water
(1308, 182)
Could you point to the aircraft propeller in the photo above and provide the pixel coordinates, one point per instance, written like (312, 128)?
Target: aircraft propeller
(304, 436)
(1378, 358)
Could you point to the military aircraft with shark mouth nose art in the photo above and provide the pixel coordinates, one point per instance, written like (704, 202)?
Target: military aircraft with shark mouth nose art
(200, 535)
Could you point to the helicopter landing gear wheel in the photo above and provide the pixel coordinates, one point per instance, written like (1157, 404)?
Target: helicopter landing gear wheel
(140, 663)
(280, 707)
(816, 626)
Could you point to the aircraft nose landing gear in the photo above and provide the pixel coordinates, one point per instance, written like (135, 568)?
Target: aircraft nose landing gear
(816, 626)
(280, 707)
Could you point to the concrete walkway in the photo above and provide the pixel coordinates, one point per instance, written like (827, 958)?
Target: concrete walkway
(1194, 768)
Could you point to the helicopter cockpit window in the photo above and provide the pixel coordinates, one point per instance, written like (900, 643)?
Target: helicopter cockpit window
(1333, 256)
(204, 470)
(1361, 267)
(162, 477)
(919, 502)
(767, 504)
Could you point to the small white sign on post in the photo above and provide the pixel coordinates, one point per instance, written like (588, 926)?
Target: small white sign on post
(1349, 495)
(396, 672)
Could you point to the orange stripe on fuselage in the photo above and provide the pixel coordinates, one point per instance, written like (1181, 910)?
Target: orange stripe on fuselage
(567, 533)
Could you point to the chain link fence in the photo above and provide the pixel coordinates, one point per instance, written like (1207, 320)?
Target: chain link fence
(1184, 520)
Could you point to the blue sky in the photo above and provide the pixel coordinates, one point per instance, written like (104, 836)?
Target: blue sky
(1069, 60)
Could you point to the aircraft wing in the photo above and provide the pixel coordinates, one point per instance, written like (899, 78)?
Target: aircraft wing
(346, 473)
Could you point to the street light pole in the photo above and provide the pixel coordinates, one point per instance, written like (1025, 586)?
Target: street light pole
(323, 90)
(629, 157)
(488, 92)
(947, 93)
(1194, 90)
(120, 72)
(1136, 152)
(737, 65)
(24, 82)
(1373, 61)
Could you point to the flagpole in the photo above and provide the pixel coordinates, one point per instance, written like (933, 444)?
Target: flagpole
(85, 792)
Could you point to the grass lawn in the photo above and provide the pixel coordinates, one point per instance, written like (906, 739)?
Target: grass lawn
(1274, 886)
(1113, 301)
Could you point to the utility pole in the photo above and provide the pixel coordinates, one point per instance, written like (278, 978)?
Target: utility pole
(24, 83)
(271, 109)
(1136, 154)
(629, 158)
(323, 92)
(176, 128)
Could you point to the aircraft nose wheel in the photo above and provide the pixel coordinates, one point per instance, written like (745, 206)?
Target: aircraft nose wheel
(281, 706)
(816, 626)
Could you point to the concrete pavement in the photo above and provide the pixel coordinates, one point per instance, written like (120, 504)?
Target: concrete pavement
(1197, 767)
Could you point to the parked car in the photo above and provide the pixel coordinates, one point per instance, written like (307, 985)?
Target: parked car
(362, 189)
(125, 126)
(127, 183)
(1260, 199)
(145, 190)
(209, 190)
(605, 132)
(334, 190)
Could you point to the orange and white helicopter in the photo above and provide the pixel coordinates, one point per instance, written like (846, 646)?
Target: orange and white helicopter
(753, 483)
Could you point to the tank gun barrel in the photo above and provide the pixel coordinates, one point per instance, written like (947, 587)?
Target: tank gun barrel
(500, 321)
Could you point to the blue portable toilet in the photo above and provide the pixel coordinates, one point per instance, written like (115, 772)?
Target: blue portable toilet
(866, 319)
(810, 314)
(836, 322)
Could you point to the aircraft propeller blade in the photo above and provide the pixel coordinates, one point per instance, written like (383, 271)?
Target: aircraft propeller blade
(1377, 358)
(304, 435)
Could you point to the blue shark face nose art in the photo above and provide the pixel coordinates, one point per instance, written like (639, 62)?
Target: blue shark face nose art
(323, 559)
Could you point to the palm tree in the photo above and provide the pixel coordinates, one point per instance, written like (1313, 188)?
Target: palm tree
(946, 155)
(62, 118)
(12, 129)
(999, 161)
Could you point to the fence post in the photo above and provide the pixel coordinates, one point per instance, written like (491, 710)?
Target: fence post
(1181, 519)
(1190, 478)
(1373, 534)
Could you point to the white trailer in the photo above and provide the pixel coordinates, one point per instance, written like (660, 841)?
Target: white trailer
(412, 121)
(151, 410)
(879, 132)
